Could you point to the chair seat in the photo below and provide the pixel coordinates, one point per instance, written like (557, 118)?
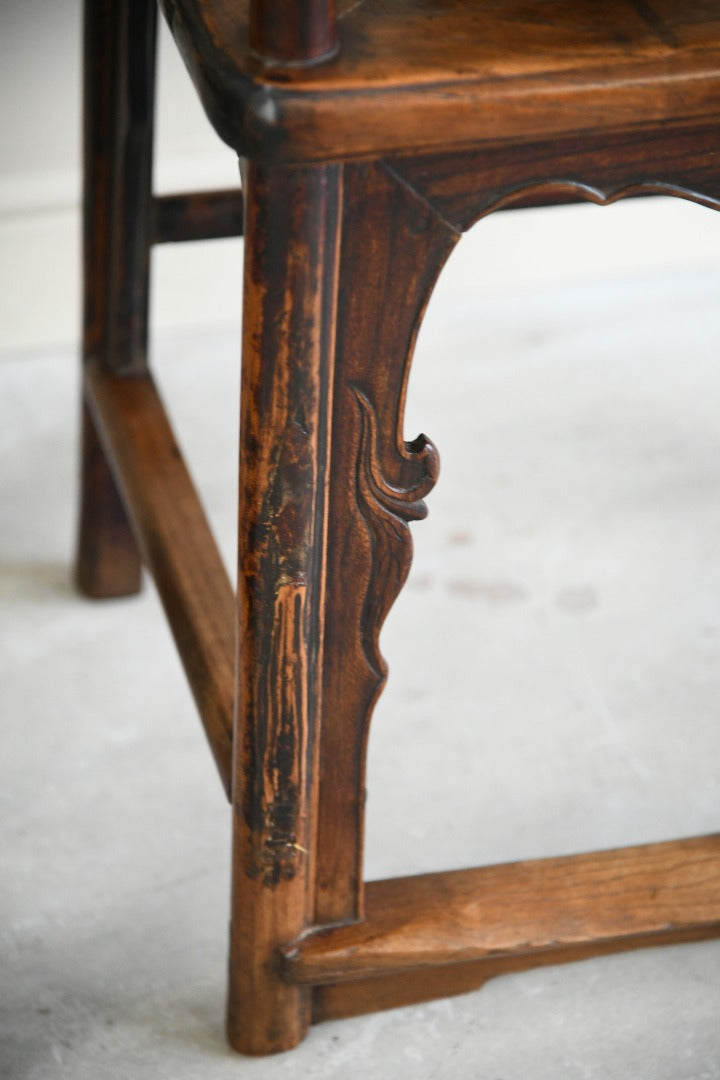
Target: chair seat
(443, 74)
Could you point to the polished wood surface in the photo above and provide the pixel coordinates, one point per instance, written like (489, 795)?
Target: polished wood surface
(378, 482)
(361, 170)
(120, 41)
(203, 215)
(287, 382)
(115, 268)
(108, 562)
(466, 186)
(414, 74)
(412, 986)
(176, 543)
(633, 896)
(298, 33)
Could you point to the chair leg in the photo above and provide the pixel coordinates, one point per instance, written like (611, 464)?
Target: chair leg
(108, 561)
(119, 69)
(333, 295)
(292, 236)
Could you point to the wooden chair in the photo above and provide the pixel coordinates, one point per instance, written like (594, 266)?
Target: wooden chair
(370, 137)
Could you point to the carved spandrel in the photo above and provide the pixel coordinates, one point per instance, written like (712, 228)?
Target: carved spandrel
(387, 510)
(465, 186)
(393, 247)
(401, 220)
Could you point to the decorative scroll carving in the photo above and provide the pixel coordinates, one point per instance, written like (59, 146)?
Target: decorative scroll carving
(393, 246)
(387, 510)
(467, 185)
(576, 190)
(401, 219)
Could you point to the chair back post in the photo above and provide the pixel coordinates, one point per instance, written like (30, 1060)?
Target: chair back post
(298, 32)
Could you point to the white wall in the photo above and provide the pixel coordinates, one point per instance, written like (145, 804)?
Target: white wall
(199, 284)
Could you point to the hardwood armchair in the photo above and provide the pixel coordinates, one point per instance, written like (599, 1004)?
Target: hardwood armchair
(370, 137)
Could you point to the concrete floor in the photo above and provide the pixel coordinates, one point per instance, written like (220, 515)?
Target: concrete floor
(555, 678)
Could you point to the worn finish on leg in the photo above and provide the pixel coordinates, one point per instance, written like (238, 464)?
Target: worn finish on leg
(176, 541)
(465, 186)
(292, 225)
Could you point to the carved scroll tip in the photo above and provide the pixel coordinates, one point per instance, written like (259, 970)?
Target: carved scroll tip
(417, 467)
(423, 449)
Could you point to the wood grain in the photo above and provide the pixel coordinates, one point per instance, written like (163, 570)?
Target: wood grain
(412, 75)
(413, 986)
(465, 187)
(292, 230)
(623, 898)
(371, 137)
(298, 33)
(393, 246)
(177, 545)
(120, 211)
(108, 562)
(198, 215)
